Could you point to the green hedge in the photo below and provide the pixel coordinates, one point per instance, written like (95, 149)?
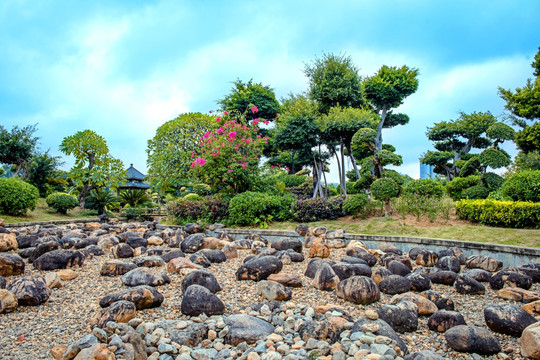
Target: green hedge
(254, 208)
(17, 196)
(61, 202)
(515, 214)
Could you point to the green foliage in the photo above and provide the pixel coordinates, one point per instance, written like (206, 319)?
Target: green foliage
(492, 181)
(475, 192)
(494, 158)
(385, 189)
(252, 208)
(41, 172)
(100, 199)
(202, 189)
(17, 147)
(334, 81)
(528, 139)
(170, 150)
(391, 85)
(526, 161)
(356, 205)
(192, 197)
(94, 166)
(424, 187)
(290, 180)
(309, 210)
(514, 214)
(245, 95)
(210, 209)
(523, 186)
(61, 202)
(134, 197)
(420, 205)
(17, 196)
(455, 187)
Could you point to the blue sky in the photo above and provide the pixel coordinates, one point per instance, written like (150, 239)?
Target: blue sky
(123, 68)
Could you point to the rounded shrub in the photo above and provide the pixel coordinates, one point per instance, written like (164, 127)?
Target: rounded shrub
(523, 186)
(385, 189)
(492, 181)
(202, 189)
(475, 192)
(192, 197)
(17, 196)
(458, 184)
(355, 204)
(424, 187)
(61, 202)
(254, 208)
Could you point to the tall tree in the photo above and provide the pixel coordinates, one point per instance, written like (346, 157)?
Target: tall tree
(170, 151)
(455, 139)
(94, 166)
(385, 91)
(41, 171)
(244, 96)
(17, 147)
(334, 81)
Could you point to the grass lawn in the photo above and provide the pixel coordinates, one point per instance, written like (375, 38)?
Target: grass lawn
(44, 213)
(452, 230)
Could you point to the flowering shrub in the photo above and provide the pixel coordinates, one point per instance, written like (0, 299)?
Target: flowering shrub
(317, 209)
(228, 157)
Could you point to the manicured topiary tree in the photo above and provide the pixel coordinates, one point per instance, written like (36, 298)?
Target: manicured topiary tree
(61, 202)
(424, 187)
(17, 196)
(385, 189)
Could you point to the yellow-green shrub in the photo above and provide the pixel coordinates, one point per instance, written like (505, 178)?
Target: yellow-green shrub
(515, 214)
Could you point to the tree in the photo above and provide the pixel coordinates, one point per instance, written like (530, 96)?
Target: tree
(41, 171)
(385, 91)
(334, 81)
(94, 167)
(296, 131)
(17, 147)
(244, 96)
(170, 151)
(455, 139)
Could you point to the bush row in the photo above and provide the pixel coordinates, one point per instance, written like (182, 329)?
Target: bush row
(515, 214)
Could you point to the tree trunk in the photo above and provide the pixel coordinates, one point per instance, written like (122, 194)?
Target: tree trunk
(291, 171)
(355, 167)
(84, 193)
(339, 169)
(388, 209)
(343, 178)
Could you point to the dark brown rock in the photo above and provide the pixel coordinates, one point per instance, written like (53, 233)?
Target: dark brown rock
(143, 297)
(443, 320)
(11, 264)
(201, 277)
(443, 277)
(402, 317)
(325, 278)
(483, 262)
(442, 300)
(450, 263)
(508, 278)
(198, 300)
(145, 276)
(395, 284)
(121, 312)
(259, 268)
(467, 285)
(116, 267)
(59, 259)
(358, 289)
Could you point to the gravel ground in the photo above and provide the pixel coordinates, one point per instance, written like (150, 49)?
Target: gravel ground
(29, 332)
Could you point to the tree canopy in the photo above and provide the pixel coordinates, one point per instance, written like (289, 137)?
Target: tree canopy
(17, 147)
(244, 96)
(94, 167)
(334, 81)
(170, 151)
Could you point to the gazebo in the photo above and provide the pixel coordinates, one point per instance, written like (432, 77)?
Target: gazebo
(135, 180)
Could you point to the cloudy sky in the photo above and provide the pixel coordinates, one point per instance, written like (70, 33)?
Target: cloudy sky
(123, 68)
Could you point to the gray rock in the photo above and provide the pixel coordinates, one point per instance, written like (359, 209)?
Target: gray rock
(246, 328)
(472, 339)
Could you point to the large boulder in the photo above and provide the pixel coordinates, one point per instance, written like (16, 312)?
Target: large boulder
(44, 246)
(507, 319)
(508, 278)
(286, 279)
(289, 243)
(8, 242)
(383, 329)
(483, 262)
(8, 301)
(472, 339)
(530, 341)
(441, 300)
(246, 328)
(314, 265)
(214, 255)
(116, 267)
(120, 312)
(325, 278)
(402, 317)
(192, 243)
(398, 268)
(172, 254)
(201, 277)
(199, 258)
(443, 277)
(59, 259)
(443, 320)
(358, 289)
(136, 241)
(259, 268)
(467, 285)
(319, 250)
(198, 300)
(395, 284)
(450, 263)
(345, 270)
(122, 251)
(272, 290)
(419, 282)
(177, 264)
(142, 296)
(328, 329)
(479, 275)
(11, 264)
(30, 290)
(145, 276)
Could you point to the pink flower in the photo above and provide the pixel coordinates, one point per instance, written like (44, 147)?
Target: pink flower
(254, 109)
(230, 171)
(244, 127)
(206, 135)
(220, 130)
(255, 122)
(218, 119)
(266, 122)
(271, 167)
(225, 112)
(232, 134)
(198, 161)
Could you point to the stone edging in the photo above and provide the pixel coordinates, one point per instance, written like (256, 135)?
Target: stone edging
(51, 222)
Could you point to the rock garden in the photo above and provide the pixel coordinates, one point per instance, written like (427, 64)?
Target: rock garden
(114, 290)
